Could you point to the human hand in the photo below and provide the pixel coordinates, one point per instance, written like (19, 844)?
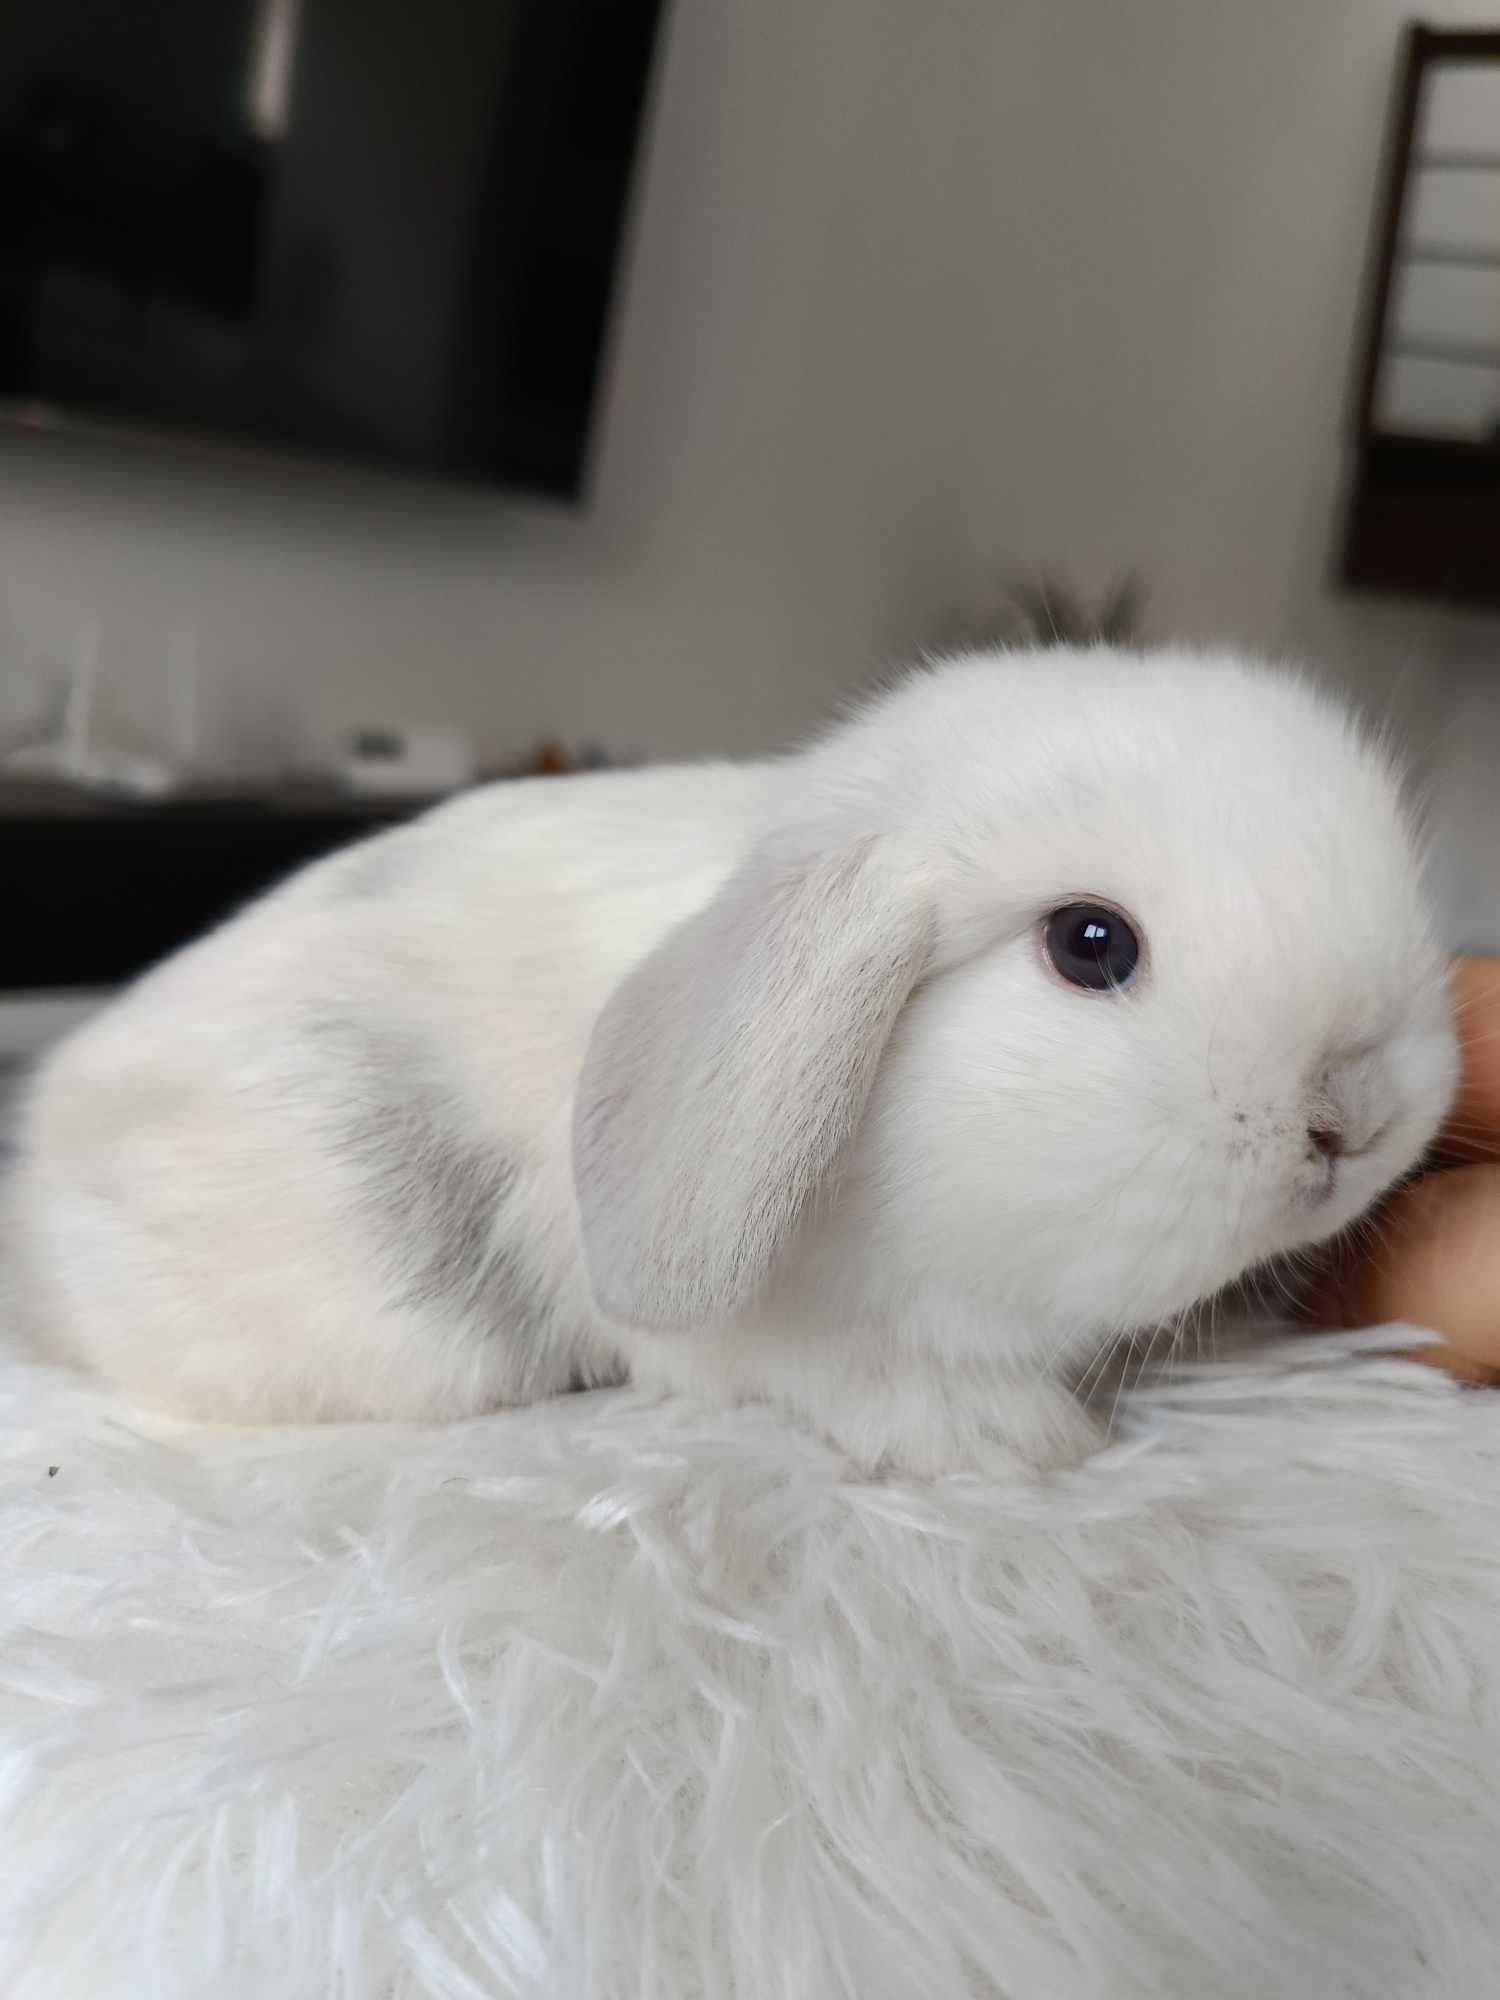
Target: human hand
(1433, 1256)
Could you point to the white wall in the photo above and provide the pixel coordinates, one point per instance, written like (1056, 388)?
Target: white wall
(1179, 197)
(915, 288)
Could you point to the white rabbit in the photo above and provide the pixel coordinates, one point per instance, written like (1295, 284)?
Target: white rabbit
(886, 1081)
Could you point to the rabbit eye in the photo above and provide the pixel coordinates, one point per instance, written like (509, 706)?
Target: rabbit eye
(1092, 947)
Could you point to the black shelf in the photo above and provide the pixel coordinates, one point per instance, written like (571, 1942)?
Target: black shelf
(1423, 515)
(97, 889)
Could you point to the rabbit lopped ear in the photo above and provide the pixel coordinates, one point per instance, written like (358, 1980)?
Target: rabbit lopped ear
(728, 1070)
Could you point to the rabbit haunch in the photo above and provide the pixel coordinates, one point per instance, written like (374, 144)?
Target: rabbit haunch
(757, 1081)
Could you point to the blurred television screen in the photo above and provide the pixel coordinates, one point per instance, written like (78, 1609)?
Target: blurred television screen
(351, 228)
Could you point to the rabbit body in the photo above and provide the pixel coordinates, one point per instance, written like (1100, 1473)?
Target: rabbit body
(756, 1081)
(316, 1165)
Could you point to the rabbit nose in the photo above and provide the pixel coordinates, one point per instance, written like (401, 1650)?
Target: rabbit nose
(1349, 1105)
(1327, 1140)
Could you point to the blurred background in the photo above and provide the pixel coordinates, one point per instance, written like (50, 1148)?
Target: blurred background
(397, 395)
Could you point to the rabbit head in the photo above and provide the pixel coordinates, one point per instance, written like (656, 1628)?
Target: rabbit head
(1065, 988)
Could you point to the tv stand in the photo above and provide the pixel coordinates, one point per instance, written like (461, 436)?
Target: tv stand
(97, 889)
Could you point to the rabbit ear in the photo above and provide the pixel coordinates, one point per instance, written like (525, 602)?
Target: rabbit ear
(728, 1070)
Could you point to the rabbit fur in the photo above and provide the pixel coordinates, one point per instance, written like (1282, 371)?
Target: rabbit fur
(754, 1081)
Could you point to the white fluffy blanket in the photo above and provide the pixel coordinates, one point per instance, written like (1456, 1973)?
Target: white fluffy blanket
(618, 1699)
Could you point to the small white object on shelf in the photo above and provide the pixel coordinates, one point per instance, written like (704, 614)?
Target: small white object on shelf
(406, 760)
(74, 755)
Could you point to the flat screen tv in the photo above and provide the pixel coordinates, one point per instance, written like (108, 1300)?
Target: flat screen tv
(377, 229)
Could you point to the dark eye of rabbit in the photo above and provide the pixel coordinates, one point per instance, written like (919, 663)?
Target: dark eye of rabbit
(1092, 947)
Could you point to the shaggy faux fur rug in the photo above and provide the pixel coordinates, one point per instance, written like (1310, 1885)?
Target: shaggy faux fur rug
(609, 1698)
